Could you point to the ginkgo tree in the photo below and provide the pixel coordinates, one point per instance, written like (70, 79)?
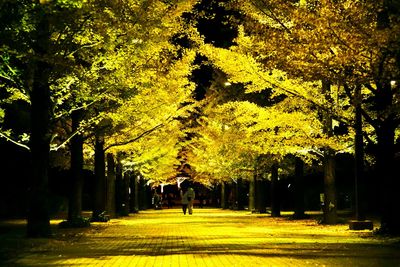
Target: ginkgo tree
(233, 135)
(143, 86)
(148, 124)
(38, 36)
(351, 44)
(301, 104)
(71, 55)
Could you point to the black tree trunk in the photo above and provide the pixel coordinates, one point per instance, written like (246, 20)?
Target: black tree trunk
(298, 186)
(124, 210)
(240, 194)
(143, 202)
(330, 209)
(75, 198)
(359, 183)
(261, 196)
(275, 197)
(385, 131)
(134, 196)
(99, 205)
(38, 207)
(224, 195)
(330, 202)
(38, 219)
(252, 193)
(389, 181)
(110, 192)
(119, 187)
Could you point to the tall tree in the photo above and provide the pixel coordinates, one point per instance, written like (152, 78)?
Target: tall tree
(348, 43)
(50, 40)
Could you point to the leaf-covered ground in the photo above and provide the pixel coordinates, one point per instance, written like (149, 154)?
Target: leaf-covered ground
(209, 237)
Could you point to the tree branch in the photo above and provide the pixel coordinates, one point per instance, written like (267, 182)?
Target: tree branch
(65, 141)
(369, 140)
(288, 91)
(9, 139)
(136, 138)
(271, 15)
(75, 109)
(369, 119)
(344, 43)
(84, 46)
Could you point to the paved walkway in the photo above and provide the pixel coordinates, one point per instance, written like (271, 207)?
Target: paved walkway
(210, 237)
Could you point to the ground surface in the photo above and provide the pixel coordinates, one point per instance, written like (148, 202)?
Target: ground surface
(209, 237)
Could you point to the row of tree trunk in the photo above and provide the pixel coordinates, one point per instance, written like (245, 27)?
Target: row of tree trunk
(116, 193)
(257, 192)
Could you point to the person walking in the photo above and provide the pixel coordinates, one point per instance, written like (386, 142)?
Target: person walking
(190, 196)
(184, 199)
(157, 203)
(187, 198)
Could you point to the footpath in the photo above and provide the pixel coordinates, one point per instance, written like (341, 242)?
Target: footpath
(209, 237)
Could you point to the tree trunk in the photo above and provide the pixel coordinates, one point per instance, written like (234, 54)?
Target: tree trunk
(119, 187)
(125, 195)
(99, 205)
(298, 187)
(38, 219)
(224, 195)
(330, 203)
(142, 194)
(75, 198)
(110, 193)
(261, 196)
(330, 206)
(389, 181)
(239, 194)
(359, 159)
(385, 131)
(38, 207)
(134, 197)
(252, 193)
(275, 198)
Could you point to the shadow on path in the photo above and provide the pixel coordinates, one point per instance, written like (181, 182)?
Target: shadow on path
(210, 237)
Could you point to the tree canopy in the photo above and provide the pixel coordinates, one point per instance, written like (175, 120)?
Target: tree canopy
(285, 78)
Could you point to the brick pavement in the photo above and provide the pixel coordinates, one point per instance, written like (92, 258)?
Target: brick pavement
(210, 237)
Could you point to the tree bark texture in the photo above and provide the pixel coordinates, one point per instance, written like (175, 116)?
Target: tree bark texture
(240, 194)
(385, 131)
(298, 186)
(252, 193)
(110, 193)
(359, 159)
(224, 195)
(134, 196)
(125, 195)
(330, 202)
(38, 219)
(119, 187)
(143, 205)
(389, 181)
(261, 196)
(75, 197)
(99, 195)
(275, 198)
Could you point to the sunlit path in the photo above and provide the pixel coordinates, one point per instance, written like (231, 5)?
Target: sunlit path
(211, 237)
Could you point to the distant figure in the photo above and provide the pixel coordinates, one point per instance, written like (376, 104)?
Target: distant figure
(184, 199)
(169, 200)
(187, 197)
(157, 201)
(201, 200)
(190, 196)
